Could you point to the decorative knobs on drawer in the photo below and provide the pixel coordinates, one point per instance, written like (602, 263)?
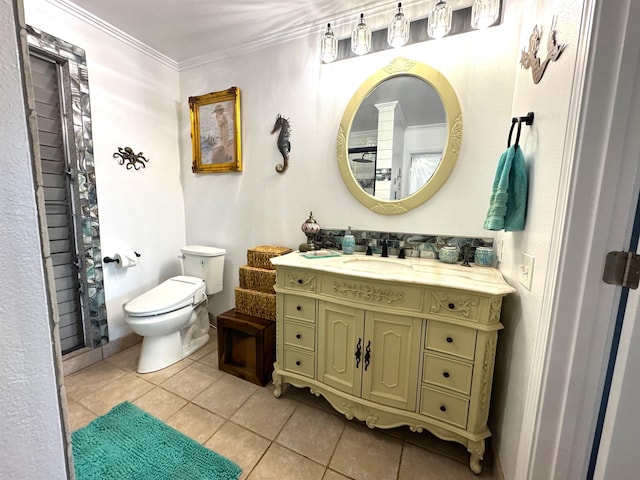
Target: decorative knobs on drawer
(300, 281)
(449, 339)
(445, 374)
(298, 336)
(298, 308)
(443, 408)
(452, 306)
(298, 362)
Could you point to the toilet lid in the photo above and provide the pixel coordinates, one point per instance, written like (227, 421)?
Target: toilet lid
(170, 295)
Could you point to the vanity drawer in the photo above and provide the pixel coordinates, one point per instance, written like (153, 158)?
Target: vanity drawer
(447, 373)
(455, 305)
(451, 339)
(444, 406)
(300, 280)
(299, 335)
(299, 362)
(372, 293)
(299, 308)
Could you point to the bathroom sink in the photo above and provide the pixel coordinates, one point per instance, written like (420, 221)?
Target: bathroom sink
(376, 265)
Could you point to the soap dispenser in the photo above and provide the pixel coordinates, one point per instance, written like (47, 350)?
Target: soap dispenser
(348, 242)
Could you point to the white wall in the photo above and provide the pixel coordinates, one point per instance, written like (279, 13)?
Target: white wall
(544, 147)
(32, 440)
(259, 206)
(134, 103)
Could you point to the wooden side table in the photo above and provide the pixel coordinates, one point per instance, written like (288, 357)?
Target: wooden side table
(246, 346)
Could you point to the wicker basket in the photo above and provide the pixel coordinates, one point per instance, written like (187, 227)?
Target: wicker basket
(256, 304)
(259, 279)
(258, 257)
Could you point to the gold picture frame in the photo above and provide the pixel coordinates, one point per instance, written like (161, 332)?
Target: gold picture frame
(216, 132)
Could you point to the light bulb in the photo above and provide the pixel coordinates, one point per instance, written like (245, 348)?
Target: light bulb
(328, 46)
(439, 22)
(361, 38)
(484, 13)
(398, 30)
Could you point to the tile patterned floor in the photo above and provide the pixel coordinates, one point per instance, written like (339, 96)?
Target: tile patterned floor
(297, 436)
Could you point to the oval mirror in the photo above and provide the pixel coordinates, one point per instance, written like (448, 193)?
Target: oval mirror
(399, 137)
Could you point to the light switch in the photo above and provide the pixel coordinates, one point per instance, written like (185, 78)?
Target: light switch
(525, 273)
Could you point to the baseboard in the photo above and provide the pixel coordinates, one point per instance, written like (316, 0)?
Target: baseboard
(85, 357)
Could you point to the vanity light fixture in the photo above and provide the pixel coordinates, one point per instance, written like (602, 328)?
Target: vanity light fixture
(439, 22)
(398, 30)
(484, 13)
(361, 38)
(328, 46)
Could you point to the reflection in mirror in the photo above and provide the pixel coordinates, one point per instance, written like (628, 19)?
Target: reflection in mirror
(399, 127)
(399, 137)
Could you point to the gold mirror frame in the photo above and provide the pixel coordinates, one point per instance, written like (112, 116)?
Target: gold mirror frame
(402, 66)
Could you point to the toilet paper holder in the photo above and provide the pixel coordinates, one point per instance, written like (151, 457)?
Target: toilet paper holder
(116, 260)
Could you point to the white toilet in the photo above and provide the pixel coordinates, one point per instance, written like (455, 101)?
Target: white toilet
(172, 317)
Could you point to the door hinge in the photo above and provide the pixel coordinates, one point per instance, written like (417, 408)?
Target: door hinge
(622, 268)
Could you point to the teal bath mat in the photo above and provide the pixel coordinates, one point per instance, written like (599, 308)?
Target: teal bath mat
(130, 444)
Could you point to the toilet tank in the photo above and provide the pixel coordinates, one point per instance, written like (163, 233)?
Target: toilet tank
(206, 263)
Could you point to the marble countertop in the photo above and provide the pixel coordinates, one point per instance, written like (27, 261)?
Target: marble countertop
(410, 270)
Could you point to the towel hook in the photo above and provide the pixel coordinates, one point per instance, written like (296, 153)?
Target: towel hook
(527, 119)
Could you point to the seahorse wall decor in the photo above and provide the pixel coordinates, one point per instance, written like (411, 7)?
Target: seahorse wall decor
(530, 59)
(283, 143)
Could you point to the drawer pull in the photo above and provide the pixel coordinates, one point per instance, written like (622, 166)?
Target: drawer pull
(449, 339)
(452, 306)
(300, 281)
(443, 408)
(445, 374)
(298, 363)
(298, 336)
(298, 308)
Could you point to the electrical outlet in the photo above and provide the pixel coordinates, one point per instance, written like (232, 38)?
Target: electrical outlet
(525, 273)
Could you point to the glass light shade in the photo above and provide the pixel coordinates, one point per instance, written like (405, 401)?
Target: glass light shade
(328, 46)
(398, 30)
(484, 13)
(361, 38)
(439, 22)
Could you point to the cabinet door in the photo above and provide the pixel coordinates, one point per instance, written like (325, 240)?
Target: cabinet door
(339, 333)
(391, 375)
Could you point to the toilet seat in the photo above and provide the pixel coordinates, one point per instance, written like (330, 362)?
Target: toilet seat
(172, 294)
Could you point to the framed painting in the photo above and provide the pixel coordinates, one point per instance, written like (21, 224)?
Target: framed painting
(215, 131)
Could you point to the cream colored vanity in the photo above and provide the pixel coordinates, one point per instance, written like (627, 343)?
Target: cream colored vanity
(392, 342)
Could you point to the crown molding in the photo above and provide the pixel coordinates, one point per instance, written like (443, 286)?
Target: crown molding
(112, 31)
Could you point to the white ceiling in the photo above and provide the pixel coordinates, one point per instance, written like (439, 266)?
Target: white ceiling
(187, 30)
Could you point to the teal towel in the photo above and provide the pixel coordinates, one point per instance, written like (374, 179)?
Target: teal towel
(508, 202)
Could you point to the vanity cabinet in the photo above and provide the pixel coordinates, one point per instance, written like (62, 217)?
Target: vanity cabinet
(412, 344)
(369, 354)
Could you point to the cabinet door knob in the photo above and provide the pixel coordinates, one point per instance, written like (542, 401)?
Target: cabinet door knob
(298, 362)
(445, 374)
(298, 336)
(358, 352)
(452, 306)
(300, 281)
(449, 339)
(298, 308)
(443, 408)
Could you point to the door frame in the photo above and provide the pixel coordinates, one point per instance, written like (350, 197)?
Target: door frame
(594, 215)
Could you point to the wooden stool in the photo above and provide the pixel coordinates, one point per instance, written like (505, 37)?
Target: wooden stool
(246, 346)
